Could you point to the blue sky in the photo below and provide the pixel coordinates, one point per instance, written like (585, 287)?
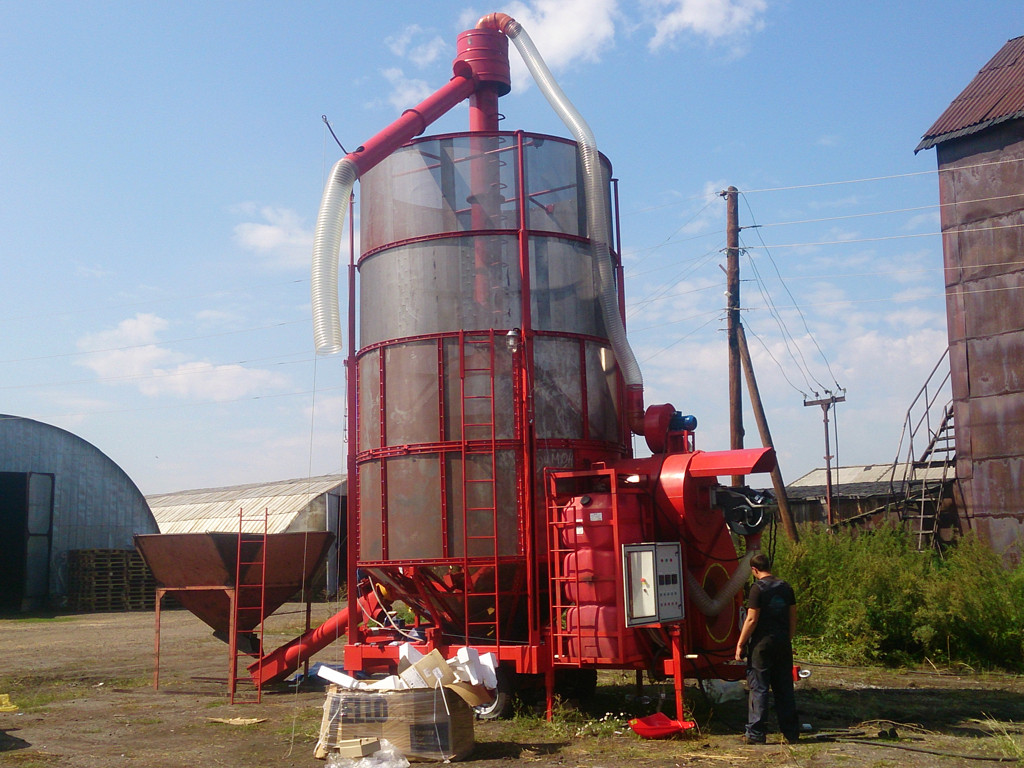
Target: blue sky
(162, 165)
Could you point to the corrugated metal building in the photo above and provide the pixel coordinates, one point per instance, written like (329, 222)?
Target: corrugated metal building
(979, 141)
(291, 506)
(58, 493)
(856, 491)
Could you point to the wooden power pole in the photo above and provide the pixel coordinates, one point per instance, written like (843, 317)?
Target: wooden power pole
(739, 358)
(732, 292)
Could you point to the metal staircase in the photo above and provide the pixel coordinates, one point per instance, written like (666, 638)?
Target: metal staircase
(918, 496)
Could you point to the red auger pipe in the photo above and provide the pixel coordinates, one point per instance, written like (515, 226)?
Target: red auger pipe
(480, 67)
(279, 664)
(414, 121)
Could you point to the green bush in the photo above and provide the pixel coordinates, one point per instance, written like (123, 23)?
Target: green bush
(871, 597)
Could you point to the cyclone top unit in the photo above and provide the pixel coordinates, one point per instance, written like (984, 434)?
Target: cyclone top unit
(495, 503)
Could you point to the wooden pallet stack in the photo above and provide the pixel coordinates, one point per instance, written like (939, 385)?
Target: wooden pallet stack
(101, 580)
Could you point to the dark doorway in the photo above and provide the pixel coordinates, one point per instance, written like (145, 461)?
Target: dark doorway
(13, 521)
(26, 522)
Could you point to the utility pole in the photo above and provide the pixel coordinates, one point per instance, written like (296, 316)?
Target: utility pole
(739, 362)
(826, 403)
(766, 438)
(732, 292)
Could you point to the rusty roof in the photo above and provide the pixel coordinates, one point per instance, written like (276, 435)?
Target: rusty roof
(995, 95)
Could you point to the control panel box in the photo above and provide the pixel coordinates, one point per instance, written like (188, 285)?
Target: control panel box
(653, 583)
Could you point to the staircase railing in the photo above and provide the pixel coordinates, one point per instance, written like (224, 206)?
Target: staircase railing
(917, 492)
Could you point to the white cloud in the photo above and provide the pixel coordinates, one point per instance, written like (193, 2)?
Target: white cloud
(406, 45)
(428, 52)
(914, 317)
(564, 31)
(711, 19)
(929, 222)
(711, 215)
(399, 44)
(219, 317)
(281, 238)
(201, 380)
(130, 354)
(128, 350)
(405, 91)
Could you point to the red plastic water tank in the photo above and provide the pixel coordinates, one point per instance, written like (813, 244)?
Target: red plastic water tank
(590, 576)
(597, 630)
(590, 521)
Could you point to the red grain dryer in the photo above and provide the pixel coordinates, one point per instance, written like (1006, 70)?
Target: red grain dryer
(494, 497)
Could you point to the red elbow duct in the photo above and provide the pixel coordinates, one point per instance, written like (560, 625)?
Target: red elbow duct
(498, 21)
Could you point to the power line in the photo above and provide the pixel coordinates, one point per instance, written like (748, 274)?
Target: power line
(714, 312)
(681, 338)
(197, 404)
(747, 327)
(803, 319)
(48, 313)
(643, 302)
(890, 237)
(886, 213)
(674, 281)
(897, 299)
(879, 178)
(153, 343)
(787, 337)
(165, 374)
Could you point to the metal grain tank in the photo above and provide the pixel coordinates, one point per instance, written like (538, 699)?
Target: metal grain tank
(482, 360)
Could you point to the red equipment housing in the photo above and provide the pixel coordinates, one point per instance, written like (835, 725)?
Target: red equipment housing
(492, 483)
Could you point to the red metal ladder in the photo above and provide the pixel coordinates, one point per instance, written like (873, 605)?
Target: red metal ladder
(248, 600)
(479, 485)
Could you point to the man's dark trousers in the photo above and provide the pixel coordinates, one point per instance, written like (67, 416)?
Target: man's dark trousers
(770, 665)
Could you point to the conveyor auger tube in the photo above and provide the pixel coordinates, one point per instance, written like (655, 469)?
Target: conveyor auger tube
(277, 665)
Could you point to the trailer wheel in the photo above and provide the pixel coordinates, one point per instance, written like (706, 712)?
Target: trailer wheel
(503, 698)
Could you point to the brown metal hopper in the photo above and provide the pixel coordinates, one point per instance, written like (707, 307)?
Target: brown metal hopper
(200, 570)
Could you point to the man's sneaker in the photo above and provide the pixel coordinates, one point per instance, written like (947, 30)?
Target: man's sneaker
(744, 739)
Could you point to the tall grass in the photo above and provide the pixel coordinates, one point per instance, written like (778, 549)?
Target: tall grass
(871, 597)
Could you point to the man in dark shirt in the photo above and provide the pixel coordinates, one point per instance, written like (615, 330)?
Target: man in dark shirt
(766, 636)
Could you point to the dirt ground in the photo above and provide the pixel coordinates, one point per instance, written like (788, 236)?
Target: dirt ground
(83, 688)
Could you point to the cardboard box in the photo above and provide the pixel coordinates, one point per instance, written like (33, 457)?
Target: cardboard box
(351, 748)
(429, 672)
(423, 724)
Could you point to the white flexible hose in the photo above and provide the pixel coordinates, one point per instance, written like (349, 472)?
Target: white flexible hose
(596, 192)
(330, 221)
(326, 246)
(712, 606)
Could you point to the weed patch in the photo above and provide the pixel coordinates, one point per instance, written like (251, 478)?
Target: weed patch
(870, 597)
